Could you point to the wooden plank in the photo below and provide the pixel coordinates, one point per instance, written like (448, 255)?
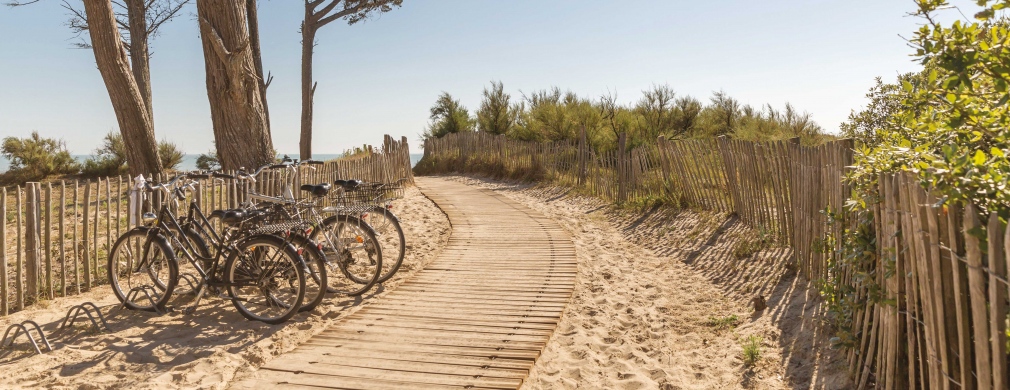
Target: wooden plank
(286, 379)
(418, 372)
(47, 250)
(437, 337)
(456, 350)
(976, 289)
(4, 294)
(306, 351)
(86, 247)
(19, 286)
(63, 238)
(499, 329)
(997, 301)
(33, 260)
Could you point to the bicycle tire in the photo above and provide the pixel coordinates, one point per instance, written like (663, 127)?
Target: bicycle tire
(339, 258)
(315, 271)
(251, 263)
(146, 237)
(390, 237)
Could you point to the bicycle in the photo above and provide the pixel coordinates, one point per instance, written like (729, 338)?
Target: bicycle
(372, 202)
(262, 273)
(349, 245)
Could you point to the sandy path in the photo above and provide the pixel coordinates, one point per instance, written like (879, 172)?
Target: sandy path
(204, 350)
(661, 303)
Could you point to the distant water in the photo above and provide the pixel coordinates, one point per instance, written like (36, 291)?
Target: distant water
(189, 160)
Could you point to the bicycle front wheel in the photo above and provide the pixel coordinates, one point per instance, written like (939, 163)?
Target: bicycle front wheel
(142, 270)
(265, 279)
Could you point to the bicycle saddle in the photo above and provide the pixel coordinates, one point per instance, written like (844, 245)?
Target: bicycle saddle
(316, 189)
(348, 184)
(230, 216)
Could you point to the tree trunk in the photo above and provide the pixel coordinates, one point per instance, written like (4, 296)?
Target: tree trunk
(233, 88)
(134, 121)
(254, 42)
(139, 57)
(309, 28)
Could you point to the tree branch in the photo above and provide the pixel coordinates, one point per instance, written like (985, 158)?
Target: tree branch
(17, 3)
(216, 42)
(164, 16)
(346, 12)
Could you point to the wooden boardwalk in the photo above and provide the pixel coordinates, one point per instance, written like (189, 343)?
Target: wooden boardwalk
(476, 318)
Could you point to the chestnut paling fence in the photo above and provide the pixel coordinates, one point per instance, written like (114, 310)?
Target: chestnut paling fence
(55, 237)
(932, 301)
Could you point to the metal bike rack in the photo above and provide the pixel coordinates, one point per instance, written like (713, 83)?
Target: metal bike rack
(85, 308)
(191, 281)
(19, 329)
(135, 293)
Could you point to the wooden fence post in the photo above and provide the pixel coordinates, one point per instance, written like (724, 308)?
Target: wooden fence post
(583, 151)
(63, 238)
(48, 243)
(32, 245)
(622, 180)
(86, 248)
(4, 307)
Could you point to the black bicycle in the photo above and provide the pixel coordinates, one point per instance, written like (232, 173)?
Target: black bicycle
(263, 274)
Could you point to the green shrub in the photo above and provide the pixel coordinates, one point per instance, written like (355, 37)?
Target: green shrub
(208, 162)
(752, 350)
(497, 115)
(109, 159)
(556, 115)
(35, 158)
(723, 323)
(170, 155)
(448, 116)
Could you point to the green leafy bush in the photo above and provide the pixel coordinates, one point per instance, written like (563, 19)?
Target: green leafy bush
(448, 116)
(170, 155)
(35, 158)
(556, 115)
(109, 159)
(497, 114)
(208, 162)
(752, 350)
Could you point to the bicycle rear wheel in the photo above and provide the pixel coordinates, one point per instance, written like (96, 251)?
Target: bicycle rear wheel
(265, 277)
(315, 271)
(390, 235)
(142, 270)
(353, 254)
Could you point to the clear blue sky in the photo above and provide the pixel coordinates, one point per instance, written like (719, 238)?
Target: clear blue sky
(381, 76)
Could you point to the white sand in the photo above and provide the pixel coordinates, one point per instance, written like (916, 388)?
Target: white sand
(207, 349)
(650, 285)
